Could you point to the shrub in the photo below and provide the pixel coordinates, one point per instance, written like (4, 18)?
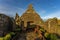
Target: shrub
(51, 37)
(1, 38)
(41, 29)
(7, 37)
(17, 30)
(46, 35)
(12, 33)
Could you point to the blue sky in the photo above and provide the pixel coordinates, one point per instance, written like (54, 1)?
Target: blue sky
(45, 8)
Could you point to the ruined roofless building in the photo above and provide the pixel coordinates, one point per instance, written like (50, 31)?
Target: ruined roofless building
(31, 16)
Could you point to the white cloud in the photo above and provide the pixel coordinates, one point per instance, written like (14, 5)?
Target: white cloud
(43, 11)
(52, 15)
(10, 11)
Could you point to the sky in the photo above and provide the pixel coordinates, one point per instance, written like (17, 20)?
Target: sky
(45, 8)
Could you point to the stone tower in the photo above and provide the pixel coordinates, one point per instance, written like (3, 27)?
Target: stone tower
(31, 16)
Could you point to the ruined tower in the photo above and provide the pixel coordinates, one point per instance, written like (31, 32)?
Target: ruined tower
(31, 16)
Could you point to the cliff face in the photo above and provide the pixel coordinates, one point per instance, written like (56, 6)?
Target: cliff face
(5, 24)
